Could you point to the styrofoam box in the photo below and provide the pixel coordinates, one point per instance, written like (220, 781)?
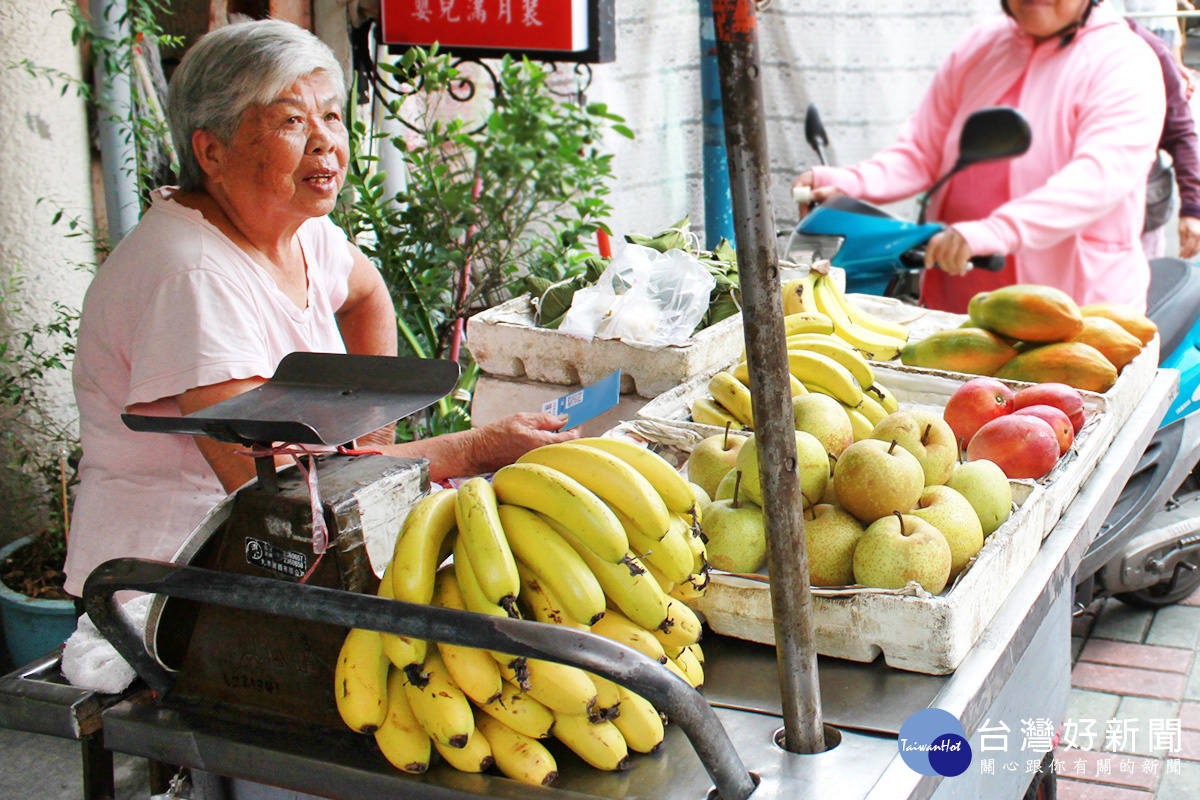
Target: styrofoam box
(504, 341)
(914, 630)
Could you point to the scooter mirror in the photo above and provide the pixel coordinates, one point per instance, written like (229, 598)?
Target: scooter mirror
(814, 132)
(992, 133)
(987, 134)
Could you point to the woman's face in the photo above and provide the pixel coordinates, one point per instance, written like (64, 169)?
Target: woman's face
(287, 161)
(1042, 18)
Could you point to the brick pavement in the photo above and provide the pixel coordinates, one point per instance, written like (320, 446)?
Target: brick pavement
(1134, 712)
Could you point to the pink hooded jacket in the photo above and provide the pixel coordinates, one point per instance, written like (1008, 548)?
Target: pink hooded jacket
(1096, 109)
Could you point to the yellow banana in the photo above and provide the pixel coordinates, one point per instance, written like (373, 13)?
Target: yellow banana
(840, 352)
(672, 487)
(860, 426)
(709, 412)
(691, 666)
(626, 583)
(871, 409)
(865, 319)
(565, 500)
(639, 722)
(559, 687)
(415, 557)
(555, 563)
(798, 295)
(538, 601)
(482, 536)
(439, 705)
(699, 555)
(821, 373)
(684, 626)
(672, 555)
(807, 322)
(609, 478)
(517, 710)
(742, 373)
(884, 397)
(664, 583)
(404, 652)
(598, 743)
(360, 681)
(518, 756)
(698, 652)
(689, 590)
(731, 394)
(608, 699)
(474, 670)
(677, 672)
(876, 346)
(621, 629)
(476, 756)
(474, 600)
(401, 738)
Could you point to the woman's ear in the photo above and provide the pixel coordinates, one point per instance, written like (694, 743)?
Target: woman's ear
(209, 152)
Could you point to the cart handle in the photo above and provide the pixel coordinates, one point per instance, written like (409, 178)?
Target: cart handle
(588, 651)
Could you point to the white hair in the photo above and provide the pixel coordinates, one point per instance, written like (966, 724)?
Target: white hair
(233, 68)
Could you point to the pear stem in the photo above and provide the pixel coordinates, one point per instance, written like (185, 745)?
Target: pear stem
(725, 441)
(900, 517)
(737, 484)
(893, 447)
(925, 435)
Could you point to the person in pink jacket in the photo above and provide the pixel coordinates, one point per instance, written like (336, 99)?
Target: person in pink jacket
(1069, 212)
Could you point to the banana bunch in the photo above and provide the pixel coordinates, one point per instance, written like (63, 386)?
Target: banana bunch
(878, 339)
(594, 534)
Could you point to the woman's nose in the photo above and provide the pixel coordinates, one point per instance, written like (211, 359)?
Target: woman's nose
(320, 138)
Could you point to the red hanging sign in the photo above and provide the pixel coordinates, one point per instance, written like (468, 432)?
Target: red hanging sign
(553, 28)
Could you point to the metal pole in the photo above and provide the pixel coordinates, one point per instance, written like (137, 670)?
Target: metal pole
(718, 209)
(774, 430)
(114, 102)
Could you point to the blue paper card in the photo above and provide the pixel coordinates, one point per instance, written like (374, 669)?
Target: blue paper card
(587, 402)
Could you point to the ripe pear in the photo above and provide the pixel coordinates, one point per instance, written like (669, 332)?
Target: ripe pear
(955, 517)
(874, 478)
(830, 535)
(737, 536)
(725, 487)
(812, 465)
(927, 436)
(987, 489)
(900, 548)
(823, 417)
(712, 458)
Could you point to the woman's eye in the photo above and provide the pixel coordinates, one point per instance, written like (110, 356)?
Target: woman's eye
(332, 116)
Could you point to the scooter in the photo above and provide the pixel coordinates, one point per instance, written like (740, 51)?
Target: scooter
(1147, 553)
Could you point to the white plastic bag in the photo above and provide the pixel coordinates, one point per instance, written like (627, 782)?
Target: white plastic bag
(645, 297)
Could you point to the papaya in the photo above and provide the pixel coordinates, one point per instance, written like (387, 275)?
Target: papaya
(1118, 345)
(1137, 324)
(971, 350)
(1027, 312)
(1073, 363)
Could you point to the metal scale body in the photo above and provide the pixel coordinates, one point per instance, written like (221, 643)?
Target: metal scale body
(249, 662)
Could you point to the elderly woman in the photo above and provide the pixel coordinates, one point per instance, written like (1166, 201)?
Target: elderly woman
(223, 277)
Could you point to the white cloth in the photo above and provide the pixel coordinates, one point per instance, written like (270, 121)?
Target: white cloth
(176, 306)
(90, 662)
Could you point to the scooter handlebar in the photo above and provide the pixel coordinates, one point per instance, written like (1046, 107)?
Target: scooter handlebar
(992, 263)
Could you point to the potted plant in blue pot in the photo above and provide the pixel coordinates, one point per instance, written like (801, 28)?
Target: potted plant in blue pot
(35, 613)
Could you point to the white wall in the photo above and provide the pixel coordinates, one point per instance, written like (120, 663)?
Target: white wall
(43, 157)
(865, 63)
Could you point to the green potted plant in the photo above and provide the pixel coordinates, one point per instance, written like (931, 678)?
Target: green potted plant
(35, 612)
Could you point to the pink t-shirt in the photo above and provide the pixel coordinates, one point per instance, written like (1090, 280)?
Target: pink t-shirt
(176, 306)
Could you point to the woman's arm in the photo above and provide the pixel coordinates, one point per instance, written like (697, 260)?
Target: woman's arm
(232, 470)
(367, 319)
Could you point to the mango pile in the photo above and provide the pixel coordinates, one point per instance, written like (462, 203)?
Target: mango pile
(1037, 334)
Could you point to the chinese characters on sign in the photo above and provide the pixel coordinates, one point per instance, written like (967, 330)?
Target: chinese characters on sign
(1160, 738)
(495, 25)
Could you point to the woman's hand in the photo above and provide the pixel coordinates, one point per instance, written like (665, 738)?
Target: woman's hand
(949, 251)
(1189, 237)
(504, 441)
(804, 185)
